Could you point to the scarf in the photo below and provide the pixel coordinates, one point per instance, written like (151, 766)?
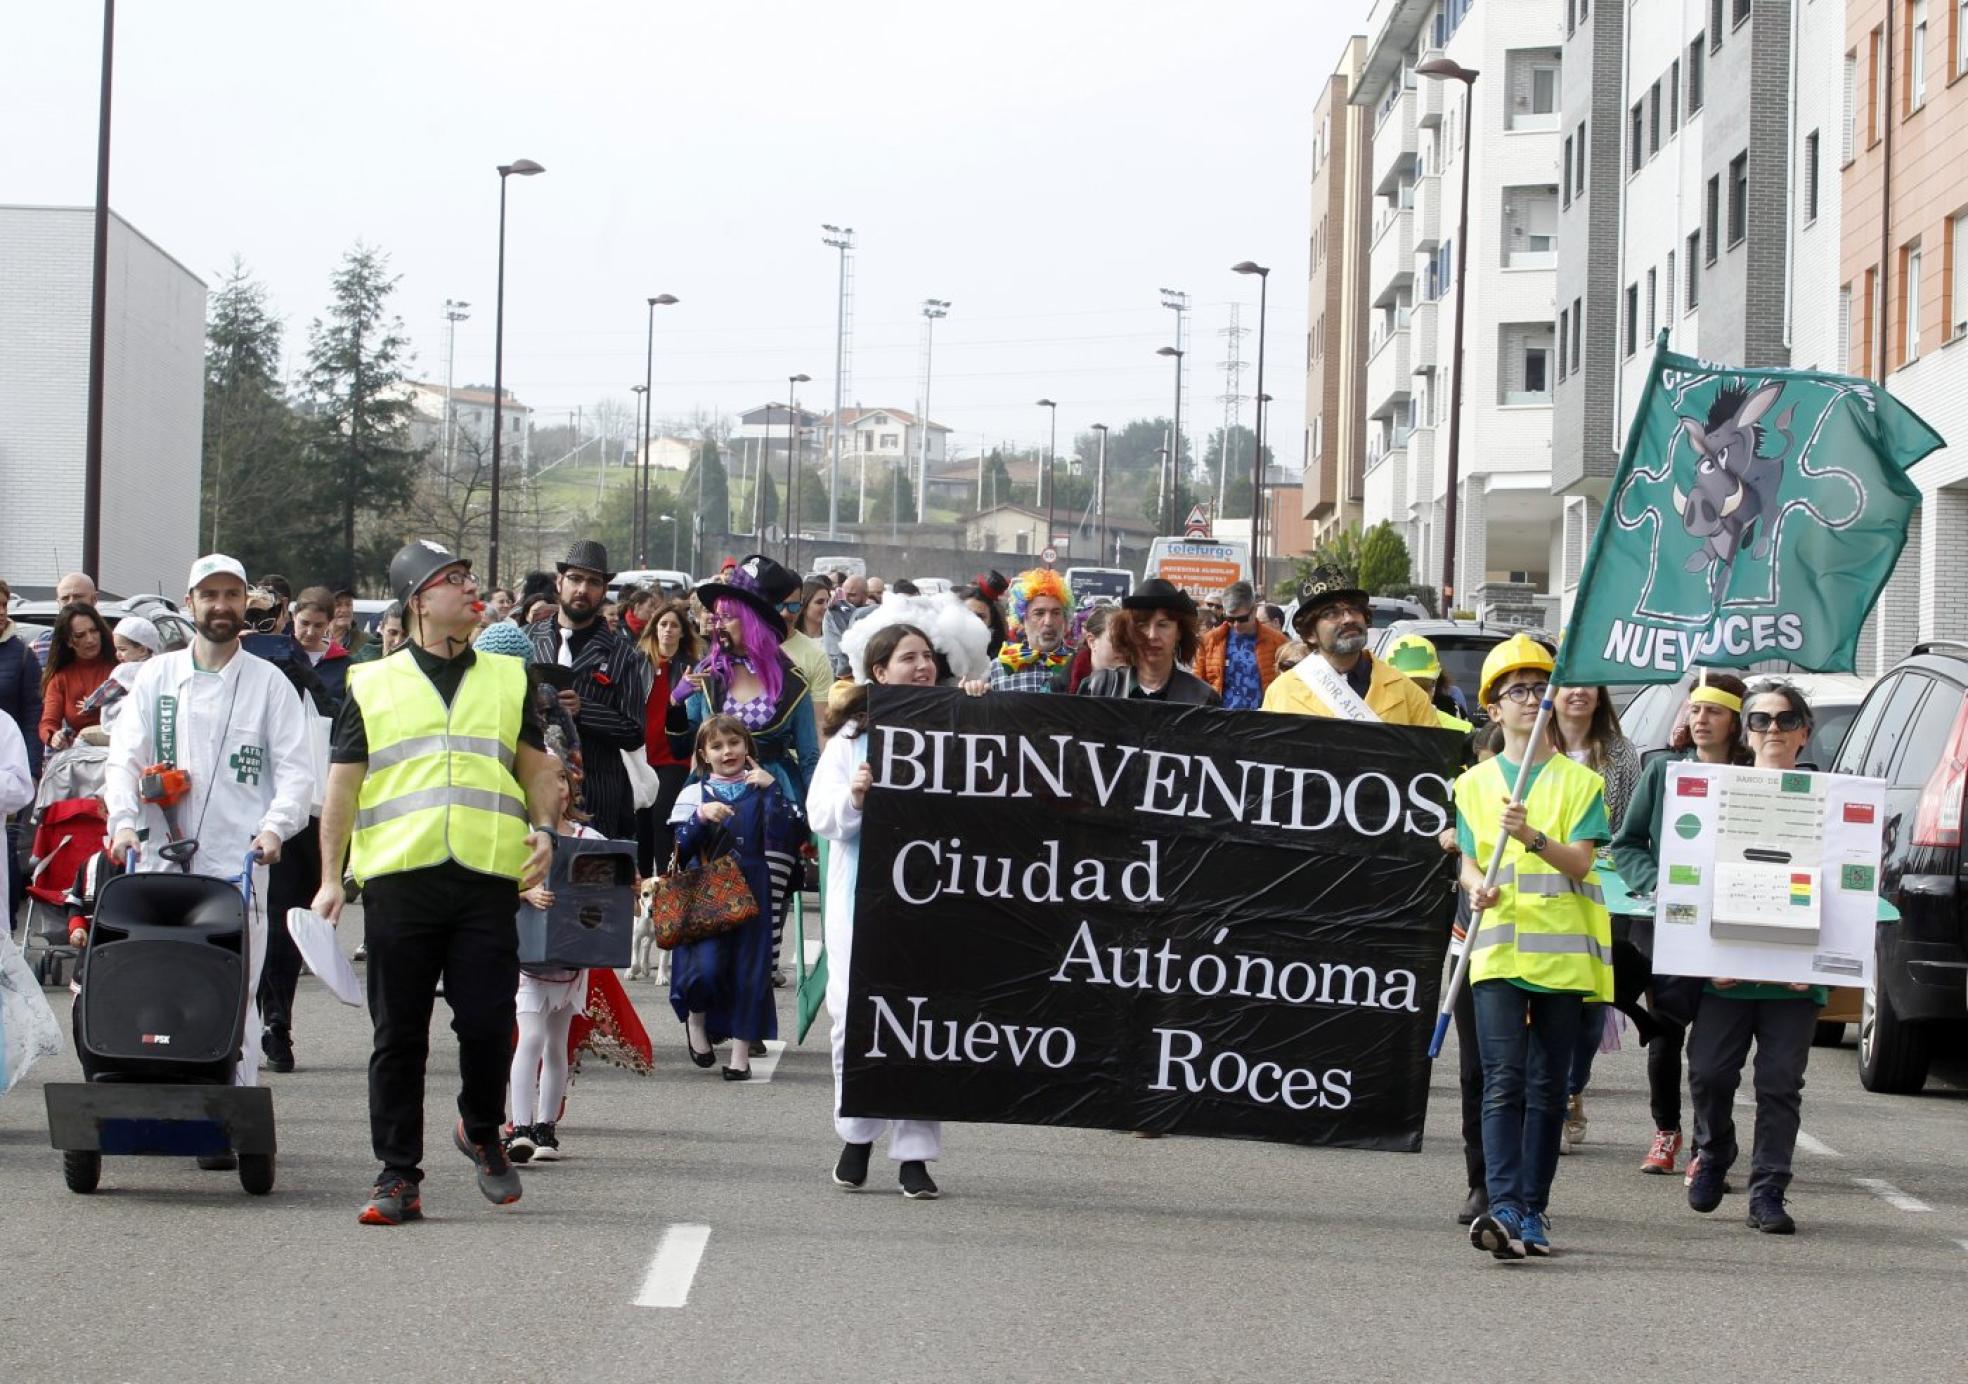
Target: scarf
(1016, 658)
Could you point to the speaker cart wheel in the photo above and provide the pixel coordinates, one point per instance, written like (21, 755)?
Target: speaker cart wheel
(82, 1170)
(256, 1173)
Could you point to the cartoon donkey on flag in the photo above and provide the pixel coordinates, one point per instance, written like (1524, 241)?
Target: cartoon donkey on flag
(1735, 490)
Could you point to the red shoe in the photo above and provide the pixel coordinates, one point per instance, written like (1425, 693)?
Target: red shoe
(1666, 1147)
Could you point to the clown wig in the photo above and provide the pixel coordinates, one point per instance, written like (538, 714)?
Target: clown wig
(1027, 587)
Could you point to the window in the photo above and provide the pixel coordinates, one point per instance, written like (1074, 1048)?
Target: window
(1869, 318)
(1916, 53)
(1638, 150)
(1578, 330)
(1742, 10)
(1667, 287)
(1845, 328)
(1849, 138)
(1738, 198)
(1524, 362)
(1958, 274)
(1810, 177)
(1695, 61)
(1712, 220)
(1892, 727)
(1536, 363)
(1876, 92)
(1568, 170)
(1910, 312)
(1564, 339)
(1580, 179)
(1653, 303)
(1674, 97)
(1544, 91)
(1632, 318)
(1714, 26)
(889, 441)
(1927, 739)
(1654, 120)
(1694, 294)
(1960, 37)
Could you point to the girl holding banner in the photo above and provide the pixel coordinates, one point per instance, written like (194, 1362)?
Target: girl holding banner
(1542, 945)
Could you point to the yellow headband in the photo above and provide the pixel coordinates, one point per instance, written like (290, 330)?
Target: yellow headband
(1715, 696)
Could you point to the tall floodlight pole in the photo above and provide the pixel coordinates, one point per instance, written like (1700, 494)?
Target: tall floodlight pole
(454, 313)
(92, 453)
(932, 309)
(641, 391)
(1257, 463)
(526, 168)
(1169, 482)
(1100, 490)
(1052, 444)
(1447, 70)
(788, 512)
(662, 300)
(842, 239)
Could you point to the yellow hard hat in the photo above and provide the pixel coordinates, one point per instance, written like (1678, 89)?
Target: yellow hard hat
(1415, 656)
(1518, 651)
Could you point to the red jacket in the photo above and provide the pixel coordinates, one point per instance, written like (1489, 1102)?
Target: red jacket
(68, 688)
(1209, 656)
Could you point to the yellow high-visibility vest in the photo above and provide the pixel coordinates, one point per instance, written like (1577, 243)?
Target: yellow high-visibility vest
(1546, 928)
(440, 783)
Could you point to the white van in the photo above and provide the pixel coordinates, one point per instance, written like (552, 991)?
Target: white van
(827, 566)
(672, 582)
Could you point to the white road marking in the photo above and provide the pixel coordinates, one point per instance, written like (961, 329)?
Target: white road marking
(674, 1266)
(1892, 1195)
(1817, 1146)
(1962, 1243)
(764, 1067)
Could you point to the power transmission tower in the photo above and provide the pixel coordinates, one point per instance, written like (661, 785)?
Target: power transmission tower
(1232, 400)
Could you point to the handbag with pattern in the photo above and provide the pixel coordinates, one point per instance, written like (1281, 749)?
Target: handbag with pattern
(702, 901)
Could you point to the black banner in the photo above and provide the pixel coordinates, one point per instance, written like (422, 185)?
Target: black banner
(1126, 915)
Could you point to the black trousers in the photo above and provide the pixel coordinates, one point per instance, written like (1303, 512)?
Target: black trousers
(1718, 1045)
(422, 926)
(654, 839)
(291, 882)
(1469, 1070)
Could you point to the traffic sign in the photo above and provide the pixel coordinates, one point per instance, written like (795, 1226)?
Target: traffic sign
(1049, 555)
(1198, 525)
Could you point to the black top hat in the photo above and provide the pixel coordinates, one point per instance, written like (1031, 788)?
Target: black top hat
(1157, 594)
(1326, 585)
(589, 556)
(760, 583)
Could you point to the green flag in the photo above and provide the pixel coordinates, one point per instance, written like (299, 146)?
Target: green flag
(1756, 514)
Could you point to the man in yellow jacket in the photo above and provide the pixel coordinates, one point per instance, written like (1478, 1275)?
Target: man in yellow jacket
(441, 788)
(1339, 677)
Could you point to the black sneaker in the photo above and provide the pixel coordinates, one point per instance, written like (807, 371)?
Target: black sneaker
(1706, 1187)
(548, 1144)
(1767, 1214)
(520, 1144)
(394, 1201)
(917, 1184)
(851, 1168)
(1473, 1205)
(496, 1178)
(277, 1045)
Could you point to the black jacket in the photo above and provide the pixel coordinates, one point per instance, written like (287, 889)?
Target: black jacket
(1184, 689)
(611, 677)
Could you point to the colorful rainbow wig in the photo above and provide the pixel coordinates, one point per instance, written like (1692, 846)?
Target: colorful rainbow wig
(1027, 587)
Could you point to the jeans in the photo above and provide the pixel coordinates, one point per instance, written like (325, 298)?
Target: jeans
(1717, 1047)
(1524, 1071)
(420, 926)
(1592, 1027)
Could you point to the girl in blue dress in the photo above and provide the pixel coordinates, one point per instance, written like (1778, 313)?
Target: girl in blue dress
(722, 985)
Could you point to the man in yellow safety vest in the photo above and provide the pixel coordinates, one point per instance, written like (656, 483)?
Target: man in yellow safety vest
(1542, 943)
(442, 792)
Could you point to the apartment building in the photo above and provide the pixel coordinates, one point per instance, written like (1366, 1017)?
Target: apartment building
(1509, 537)
(1902, 288)
(1332, 488)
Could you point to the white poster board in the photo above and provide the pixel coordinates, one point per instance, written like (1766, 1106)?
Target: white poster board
(1768, 875)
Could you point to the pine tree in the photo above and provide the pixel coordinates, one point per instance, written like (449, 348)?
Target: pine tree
(708, 496)
(251, 453)
(1384, 561)
(361, 415)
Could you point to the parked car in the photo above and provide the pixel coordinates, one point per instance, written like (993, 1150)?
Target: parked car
(1912, 731)
(673, 584)
(173, 629)
(933, 586)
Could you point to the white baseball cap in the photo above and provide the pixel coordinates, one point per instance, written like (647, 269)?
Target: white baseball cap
(213, 565)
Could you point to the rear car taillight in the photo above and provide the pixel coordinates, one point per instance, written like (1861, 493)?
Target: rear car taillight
(1937, 821)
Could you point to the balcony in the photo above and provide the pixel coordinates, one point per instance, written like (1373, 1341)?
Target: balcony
(1391, 258)
(1531, 259)
(1431, 94)
(1395, 145)
(1423, 325)
(1521, 121)
(1390, 377)
(1428, 212)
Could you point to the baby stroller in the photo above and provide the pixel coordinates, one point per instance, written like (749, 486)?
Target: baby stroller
(159, 1023)
(66, 835)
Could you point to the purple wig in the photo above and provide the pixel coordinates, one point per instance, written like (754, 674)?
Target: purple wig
(761, 647)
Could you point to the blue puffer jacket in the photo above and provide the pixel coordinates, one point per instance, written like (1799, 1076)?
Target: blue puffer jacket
(20, 691)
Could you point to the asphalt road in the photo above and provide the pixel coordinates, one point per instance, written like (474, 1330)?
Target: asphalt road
(1054, 1254)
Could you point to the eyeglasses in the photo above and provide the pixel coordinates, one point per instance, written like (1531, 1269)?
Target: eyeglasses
(1213, 605)
(789, 607)
(452, 576)
(1782, 720)
(1240, 619)
(1525, 692)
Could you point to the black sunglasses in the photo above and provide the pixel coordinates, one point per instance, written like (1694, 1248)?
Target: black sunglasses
(1782, 720)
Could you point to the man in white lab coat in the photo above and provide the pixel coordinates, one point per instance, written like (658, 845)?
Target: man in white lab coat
(235, 726)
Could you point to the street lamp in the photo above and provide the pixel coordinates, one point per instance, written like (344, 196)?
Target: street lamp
(1446, 69)
(1052, 444)
(842, 239)
(642, 479)
(787, 509)
(1257, 464)
(526, 168)
(1100, 490)
(932, 309)
(1175, 443)
(92, 441)
(641, 392)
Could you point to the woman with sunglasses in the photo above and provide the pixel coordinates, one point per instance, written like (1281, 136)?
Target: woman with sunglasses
(804, 614)
(1712, 734)
(1781, 1018)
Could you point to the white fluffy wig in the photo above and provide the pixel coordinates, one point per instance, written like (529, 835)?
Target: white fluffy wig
(953, 631)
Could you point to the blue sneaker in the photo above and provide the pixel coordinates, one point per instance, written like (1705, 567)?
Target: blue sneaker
(1537, 1235)
(1500, 1231)
(1705, 1189)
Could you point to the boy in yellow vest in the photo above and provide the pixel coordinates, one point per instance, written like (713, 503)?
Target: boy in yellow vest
(1542, 942)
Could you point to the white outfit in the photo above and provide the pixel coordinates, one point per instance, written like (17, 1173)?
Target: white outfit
(241, 735)
(546, 1005)
(16, 787)
(831, 812)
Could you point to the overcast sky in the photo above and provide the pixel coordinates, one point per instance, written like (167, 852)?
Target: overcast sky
(1046, 166)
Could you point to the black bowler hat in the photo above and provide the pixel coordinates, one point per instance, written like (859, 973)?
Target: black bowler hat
(1157, 594)
(760, 583)
(589, 556)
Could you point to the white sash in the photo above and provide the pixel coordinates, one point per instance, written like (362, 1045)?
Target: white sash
(1333, 690)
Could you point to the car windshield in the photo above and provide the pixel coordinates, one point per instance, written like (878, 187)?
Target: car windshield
(1462, 659)
(1827, 734)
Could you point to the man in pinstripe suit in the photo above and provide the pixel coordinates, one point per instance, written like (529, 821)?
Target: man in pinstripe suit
(611, 685)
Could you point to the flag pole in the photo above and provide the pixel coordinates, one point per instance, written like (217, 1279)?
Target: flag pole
(1456, 981)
